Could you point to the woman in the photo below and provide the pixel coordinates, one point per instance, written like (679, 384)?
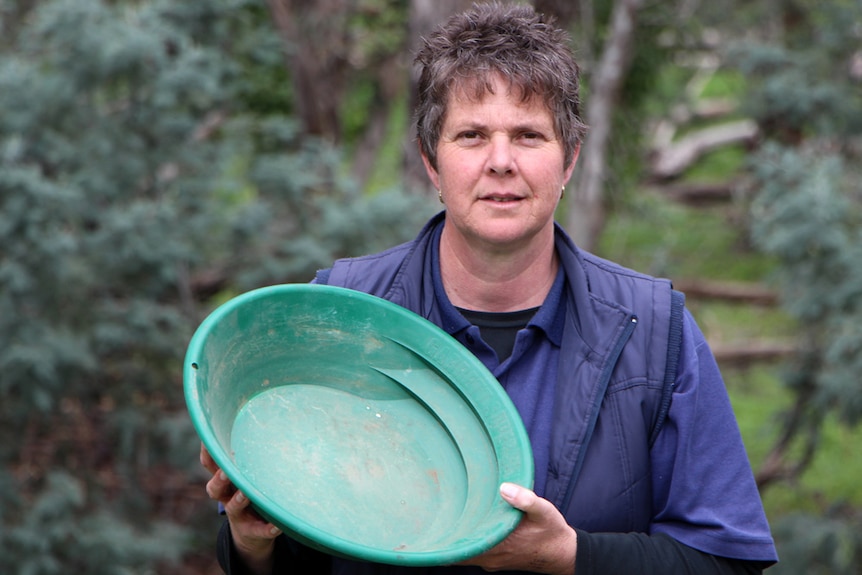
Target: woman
(640, 467)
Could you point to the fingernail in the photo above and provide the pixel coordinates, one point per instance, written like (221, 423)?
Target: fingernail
(222, 475)
(508, 490)
(275, 531)
(240, 497)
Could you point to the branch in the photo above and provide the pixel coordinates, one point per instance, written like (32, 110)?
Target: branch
(751, 293)
(671, 161)
(745, 354)
(696, 194)
(777, 465)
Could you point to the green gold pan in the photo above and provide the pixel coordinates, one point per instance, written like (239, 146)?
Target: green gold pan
(356, 426)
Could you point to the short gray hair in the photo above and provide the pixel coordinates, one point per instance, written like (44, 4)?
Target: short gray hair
(523, 46)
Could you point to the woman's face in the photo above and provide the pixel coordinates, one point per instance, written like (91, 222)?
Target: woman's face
(500, 169)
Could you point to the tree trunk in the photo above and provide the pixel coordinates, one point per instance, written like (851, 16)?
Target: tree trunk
(390, 75)
(315, 37)
(425, 15)
(586, 216)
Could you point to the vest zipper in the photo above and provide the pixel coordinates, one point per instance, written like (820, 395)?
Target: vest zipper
(613, 356)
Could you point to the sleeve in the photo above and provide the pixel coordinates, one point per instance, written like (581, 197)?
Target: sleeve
(290, 557)
(704, 493)
(641, 554)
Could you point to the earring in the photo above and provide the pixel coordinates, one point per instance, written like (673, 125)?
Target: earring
(562, 191)
(440, 196)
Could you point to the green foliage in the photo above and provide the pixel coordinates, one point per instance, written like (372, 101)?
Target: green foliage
(832, 478)
(301, 200)
(379, 63)
(377, 27)
(265, 88)
(140, 150)
(807, 216)
(802, 86)
(45, 541)
(824, 545)
(100, 190)
(804, 218)
(104, 207)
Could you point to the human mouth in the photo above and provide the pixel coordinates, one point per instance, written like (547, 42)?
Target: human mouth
(501, 199)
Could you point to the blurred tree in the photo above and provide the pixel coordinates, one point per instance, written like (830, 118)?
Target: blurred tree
(822, 545)
(335, 65)
(103, 209)
(142, 169)
(807, 204)
(347, 64)
(424, 15)
(317, 52)
(806, 211)
(585, 206)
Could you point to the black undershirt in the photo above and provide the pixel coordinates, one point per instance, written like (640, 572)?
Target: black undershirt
(598, 554)
(499, 329)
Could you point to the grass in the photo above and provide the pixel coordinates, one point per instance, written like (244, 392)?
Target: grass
(713, 165)
(662, 238)
(725, 83)
(727, 323)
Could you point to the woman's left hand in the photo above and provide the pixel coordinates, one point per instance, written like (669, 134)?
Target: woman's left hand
(541, 543)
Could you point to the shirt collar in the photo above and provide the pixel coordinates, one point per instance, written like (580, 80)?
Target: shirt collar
(550, 318)
(450, 320)
(552, 315)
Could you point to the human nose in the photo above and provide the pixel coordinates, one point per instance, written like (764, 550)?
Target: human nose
(500, 157)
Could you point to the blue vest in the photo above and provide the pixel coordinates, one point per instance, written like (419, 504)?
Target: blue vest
(617, 368)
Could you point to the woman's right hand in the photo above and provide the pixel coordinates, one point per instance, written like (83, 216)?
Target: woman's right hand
(253, 536)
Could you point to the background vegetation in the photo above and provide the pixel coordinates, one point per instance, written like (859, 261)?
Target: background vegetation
(159, 157)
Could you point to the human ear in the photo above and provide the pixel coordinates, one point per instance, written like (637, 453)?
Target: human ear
(567, 173)
(433, 175)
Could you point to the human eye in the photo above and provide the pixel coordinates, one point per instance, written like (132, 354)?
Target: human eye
(531, 137)
(470, 137)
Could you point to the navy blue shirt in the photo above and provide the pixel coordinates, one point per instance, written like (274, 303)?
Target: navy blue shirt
(528, 378)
